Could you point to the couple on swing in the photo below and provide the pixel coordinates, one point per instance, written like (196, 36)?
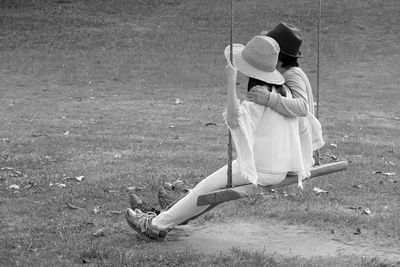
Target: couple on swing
(273, 129)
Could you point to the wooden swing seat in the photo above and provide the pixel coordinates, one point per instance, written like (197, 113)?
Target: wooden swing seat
(247, 190)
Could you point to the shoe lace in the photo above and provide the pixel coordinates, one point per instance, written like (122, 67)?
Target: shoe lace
(145, 223)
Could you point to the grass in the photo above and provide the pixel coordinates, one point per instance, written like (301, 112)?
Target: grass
(89, 88)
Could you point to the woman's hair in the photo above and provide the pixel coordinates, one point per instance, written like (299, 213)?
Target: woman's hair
(288, 61)
(254, 82)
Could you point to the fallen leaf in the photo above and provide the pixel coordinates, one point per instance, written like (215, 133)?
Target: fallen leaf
(14, 186)
(354, 208)
(384, 173)
(78, 178)
(358, 231)
(117, 212)
(367, 211)
(319, 191)
(31, 184)
(389, 173)
(109, 190)
(97, 209)
(333, 145)
(16, 173)
(99, 232)
(72, 207)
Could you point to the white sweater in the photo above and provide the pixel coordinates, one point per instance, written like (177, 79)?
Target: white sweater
(276, 139)
(265, 141)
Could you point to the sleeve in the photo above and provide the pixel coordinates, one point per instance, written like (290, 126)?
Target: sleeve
(292, 107)
(233, 106)
(242, 119)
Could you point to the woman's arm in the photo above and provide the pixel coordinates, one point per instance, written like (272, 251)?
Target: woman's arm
(233, 105)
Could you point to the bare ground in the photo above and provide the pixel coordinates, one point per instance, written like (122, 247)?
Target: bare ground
(271, 237)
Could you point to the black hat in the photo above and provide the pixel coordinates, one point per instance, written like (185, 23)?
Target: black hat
(288, 37)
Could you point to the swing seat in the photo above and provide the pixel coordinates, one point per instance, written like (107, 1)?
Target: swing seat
(247, 190)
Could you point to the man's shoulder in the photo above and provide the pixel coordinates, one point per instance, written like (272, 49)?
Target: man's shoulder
(293, 71)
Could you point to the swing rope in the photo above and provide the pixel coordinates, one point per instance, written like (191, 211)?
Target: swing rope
(316, 154)
(229, 171)
(318, 53)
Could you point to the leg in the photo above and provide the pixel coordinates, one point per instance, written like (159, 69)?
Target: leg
(186, 208)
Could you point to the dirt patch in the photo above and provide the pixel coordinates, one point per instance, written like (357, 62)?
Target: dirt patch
(270, 237)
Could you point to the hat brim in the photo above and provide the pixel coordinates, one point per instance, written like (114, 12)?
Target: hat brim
(274, 77)
(298, 55)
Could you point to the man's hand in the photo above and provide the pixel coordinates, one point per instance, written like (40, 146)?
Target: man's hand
(259, 95)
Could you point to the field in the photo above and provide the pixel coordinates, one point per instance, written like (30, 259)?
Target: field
(100, 96)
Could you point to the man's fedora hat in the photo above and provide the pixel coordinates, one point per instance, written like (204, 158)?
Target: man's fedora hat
(288, 38)
(257, 59)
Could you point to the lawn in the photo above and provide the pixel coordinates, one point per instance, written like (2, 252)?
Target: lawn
(88, 108)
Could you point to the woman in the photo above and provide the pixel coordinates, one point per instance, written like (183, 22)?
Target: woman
(267, 143)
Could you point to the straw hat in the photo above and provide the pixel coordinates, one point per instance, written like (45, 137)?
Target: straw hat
(257, 59)
(288, 37)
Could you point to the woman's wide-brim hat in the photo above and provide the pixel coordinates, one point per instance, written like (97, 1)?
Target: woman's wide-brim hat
(288, 37)
(257, 59)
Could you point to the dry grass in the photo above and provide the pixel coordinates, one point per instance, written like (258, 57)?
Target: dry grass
(108, 72)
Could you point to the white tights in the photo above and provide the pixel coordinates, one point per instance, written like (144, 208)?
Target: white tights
(187, 208)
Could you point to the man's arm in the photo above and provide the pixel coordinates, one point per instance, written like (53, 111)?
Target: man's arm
(292, 107)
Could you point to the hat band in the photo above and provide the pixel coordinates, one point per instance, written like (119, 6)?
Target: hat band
(257, 63)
